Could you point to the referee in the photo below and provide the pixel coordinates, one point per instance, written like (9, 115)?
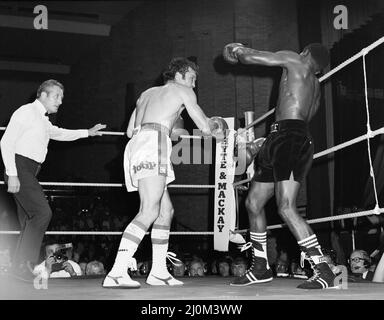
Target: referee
(23, 149)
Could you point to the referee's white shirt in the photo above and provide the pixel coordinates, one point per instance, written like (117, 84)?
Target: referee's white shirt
(28, 134)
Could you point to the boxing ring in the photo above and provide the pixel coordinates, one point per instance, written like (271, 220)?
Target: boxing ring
(209, 287)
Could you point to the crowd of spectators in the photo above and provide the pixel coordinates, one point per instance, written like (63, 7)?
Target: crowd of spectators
(93, 255)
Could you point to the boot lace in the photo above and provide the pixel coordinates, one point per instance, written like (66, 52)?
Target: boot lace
(246, 247)
(132, 264)
(171, 256)
(316, 273)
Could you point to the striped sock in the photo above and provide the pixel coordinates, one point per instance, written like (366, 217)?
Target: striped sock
(261, 239)
(310, 242)
(160, 241)
(132, 236)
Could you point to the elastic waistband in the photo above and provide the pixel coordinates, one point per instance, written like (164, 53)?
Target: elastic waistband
(152, 126)
(289, 124)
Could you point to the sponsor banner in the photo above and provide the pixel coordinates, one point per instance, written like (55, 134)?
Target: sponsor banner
(225, 212)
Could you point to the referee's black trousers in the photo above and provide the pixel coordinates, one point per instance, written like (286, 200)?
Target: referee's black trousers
(33, 211)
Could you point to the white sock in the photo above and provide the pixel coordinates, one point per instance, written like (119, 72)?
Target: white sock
(310, 242)
(262, 239)
(132, 236)
(160, 241)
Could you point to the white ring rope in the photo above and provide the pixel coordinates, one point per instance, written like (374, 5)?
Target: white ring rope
(327, 219)
(275, 226)
(112, 133)
(119, 185)
(112, 233)
(369, 131)
(340, 146)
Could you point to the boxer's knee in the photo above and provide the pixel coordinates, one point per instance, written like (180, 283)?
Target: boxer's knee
(168, 212)
(150, 209)
(253, 206)
(286, 208)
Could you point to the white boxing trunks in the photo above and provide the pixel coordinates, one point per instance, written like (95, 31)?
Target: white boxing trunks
(148, 154)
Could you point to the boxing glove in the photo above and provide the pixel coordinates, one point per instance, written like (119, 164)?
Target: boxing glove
(252, 149)
(178, 128)
(229, 52)
(218, 127)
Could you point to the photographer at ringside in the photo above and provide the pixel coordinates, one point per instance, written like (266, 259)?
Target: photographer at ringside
(58, 262)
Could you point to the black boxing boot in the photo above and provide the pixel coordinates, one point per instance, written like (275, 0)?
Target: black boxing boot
(259, 271)
(323, 277)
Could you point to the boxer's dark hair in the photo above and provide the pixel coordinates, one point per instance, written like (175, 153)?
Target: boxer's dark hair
(180, 65)
(48, 84)
(319, 54)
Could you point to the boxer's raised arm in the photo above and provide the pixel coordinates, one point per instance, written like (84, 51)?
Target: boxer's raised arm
(195, 112)
(236, 52)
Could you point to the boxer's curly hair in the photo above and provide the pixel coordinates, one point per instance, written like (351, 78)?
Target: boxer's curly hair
(44, 87)
(319, 54)
(180, 65)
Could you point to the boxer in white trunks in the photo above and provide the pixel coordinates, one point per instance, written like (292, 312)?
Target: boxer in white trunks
(148, 169)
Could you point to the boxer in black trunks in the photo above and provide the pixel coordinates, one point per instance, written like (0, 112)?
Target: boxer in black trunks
(285, 158)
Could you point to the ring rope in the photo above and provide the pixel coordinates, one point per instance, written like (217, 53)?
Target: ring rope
(327, 219)
(370, 134)
(111, 233)
(275, 226)
(113, 133)
(363, 137)
(119, 185)
(369, 131)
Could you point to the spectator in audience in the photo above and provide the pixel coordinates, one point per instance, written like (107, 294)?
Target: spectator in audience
(144, 268)
(362, 269)
(238, 267)
(179, 269)
(196, 268)
(94, 268)
(58, 263)
(224, 267)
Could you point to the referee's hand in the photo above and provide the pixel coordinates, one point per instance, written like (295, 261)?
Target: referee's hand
(13, 184)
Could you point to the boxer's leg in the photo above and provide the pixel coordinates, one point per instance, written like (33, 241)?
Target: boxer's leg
(159, 274)
(151, 190)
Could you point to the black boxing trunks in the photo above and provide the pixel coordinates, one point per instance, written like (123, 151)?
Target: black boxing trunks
(147, 154)
(287, 150)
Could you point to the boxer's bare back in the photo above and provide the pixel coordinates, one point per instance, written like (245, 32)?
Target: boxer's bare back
(164, 104)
